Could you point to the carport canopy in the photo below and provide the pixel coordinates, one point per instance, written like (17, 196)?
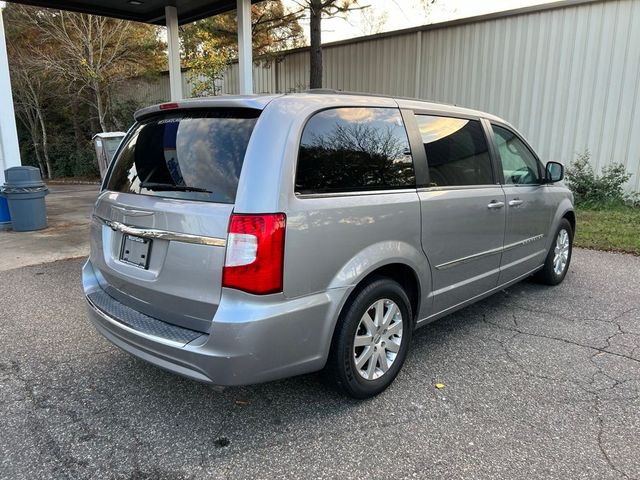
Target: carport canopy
(158, 12)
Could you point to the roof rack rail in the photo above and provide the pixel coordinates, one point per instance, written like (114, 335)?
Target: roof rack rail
(327, 90)
(333, 91)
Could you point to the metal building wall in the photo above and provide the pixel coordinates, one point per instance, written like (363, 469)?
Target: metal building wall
(567, 75)
(568, 78)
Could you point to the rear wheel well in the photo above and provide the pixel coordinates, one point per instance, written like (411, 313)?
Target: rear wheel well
(399, 272)
(571, 217)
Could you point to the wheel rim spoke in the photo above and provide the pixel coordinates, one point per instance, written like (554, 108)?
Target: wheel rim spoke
(368, 323)
(391, 312)
(392, 346)
(382, 360)
(379, 318)
(395, 329)
(362, 359)
(363, 340)
(371, 367)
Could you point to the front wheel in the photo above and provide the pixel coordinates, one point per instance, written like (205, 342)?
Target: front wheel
(558, 259)
(371, 339)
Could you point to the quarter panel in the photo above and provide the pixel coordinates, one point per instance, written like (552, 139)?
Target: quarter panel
(266, 182)
(334, 242)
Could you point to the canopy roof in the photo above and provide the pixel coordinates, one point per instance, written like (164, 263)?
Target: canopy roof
(146, 11)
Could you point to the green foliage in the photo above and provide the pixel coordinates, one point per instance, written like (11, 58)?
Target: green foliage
(210, 45)
(593, 190)
(206, 69)
(122, 112)
(72, 163)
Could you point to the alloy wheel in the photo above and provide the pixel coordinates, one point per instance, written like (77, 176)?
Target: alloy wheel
(561, 252)
(377, 340)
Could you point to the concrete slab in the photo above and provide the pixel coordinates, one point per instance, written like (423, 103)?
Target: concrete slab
(67, 236)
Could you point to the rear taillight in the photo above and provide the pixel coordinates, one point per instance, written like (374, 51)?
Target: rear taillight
(255, 253)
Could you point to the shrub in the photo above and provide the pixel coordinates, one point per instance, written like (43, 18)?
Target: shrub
(596, 190)
(68, 162)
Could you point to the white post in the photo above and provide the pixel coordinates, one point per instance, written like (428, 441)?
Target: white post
(9, 149)
(245, 60)
(173, 47)
(418, 86)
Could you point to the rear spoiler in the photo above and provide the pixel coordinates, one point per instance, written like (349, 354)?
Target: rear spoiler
(255, 102)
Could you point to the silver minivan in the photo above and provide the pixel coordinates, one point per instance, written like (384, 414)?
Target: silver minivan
(238, 240)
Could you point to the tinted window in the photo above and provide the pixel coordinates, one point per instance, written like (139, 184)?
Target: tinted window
(351, 149)
(519, 165)
(194, 156)
(457, 151)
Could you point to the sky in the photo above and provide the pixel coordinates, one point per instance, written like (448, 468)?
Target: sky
(387, 15)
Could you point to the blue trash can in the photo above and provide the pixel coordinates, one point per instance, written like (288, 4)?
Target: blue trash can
(25, 192)
(5, 218)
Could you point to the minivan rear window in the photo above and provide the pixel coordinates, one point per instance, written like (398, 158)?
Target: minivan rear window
(351, 149)
(190, 155)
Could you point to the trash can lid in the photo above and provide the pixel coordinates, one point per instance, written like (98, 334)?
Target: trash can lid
(23, 176)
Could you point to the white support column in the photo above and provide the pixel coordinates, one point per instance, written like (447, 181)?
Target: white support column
(245, 56)
(418, 86)
(9, 149)
(173, 47)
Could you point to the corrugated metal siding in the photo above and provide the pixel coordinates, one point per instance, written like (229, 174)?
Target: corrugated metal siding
(568, 78)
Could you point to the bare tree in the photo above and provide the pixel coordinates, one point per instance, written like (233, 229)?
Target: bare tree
(319, 9)
(372, 22)
(91, 52)
(29, 103)
(32, 86)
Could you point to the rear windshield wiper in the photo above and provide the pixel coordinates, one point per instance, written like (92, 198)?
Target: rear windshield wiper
(170, 186)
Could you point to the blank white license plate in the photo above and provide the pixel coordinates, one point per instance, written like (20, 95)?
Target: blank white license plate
(135, 251)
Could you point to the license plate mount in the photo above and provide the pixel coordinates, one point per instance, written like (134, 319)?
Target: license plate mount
(135, 251)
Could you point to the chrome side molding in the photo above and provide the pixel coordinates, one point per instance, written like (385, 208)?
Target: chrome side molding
(153, 233)
(493, 251)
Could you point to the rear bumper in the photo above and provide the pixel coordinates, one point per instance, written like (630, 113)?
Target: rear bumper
(252, 339)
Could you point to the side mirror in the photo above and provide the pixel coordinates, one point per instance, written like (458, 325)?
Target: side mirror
(554, 172)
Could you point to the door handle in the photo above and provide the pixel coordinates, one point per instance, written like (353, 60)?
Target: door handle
(495, 205)
(516, 202)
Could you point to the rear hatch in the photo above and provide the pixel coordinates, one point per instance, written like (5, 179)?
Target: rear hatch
(160, 225)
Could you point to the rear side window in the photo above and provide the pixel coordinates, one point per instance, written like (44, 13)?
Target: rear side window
(354, 149)
(457, 151)
(187, 155)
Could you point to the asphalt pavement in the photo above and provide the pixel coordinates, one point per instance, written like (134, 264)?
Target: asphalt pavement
(539, 382)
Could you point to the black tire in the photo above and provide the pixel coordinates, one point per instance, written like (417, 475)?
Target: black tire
(341, 367)
(547, 275)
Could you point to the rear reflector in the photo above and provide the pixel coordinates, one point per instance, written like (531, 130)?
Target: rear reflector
(255, 253)
(168, 106)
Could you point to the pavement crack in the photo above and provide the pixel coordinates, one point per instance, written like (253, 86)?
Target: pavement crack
(559, 339)
(603, 450)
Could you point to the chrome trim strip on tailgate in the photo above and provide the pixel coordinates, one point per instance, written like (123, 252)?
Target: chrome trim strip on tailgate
(163, 234)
